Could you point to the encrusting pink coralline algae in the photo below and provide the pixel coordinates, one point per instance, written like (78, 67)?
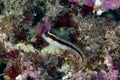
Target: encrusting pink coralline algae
(106, 4)
(110, 4)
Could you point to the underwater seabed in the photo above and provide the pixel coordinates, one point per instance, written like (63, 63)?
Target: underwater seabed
(59, 40)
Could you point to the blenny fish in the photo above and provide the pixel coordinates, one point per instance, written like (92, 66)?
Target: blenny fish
(43, 30)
